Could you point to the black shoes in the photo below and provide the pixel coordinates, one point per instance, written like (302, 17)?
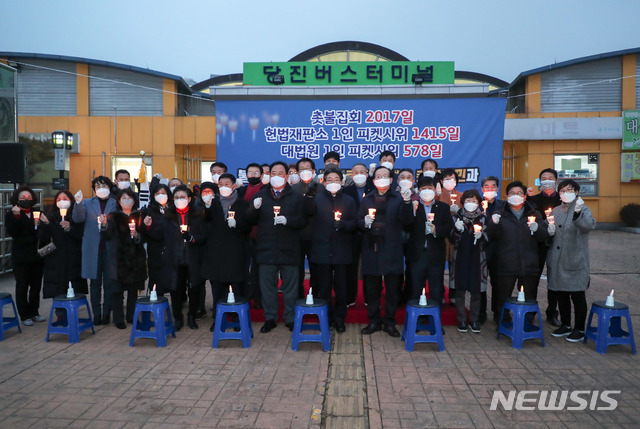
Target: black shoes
(178, 325)
(475, 327)
(191, 322)
(553, 320)
(575, 336)
(391, 330)
(340, 328)
(370, 329)
(213, 326)
(462, 327)
(268, 326)
(290, 326)
(106, 320)
(121, 325)
(562, 331)
(97, 320)
(201, 314)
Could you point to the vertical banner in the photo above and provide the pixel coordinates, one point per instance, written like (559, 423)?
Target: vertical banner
(465, 134)
(630, 133)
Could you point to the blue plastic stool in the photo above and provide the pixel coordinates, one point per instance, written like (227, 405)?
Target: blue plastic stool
(434, 325)
(319, 308)
(75, 325)
(245, 332)
(609, 329)
(162, 321)
(520, 329)
(9, 321)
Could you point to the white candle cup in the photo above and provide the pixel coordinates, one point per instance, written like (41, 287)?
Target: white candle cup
(70, 292)
(551, 220)
(337, 215)
(423, 300)
(521, 297)
(531, 220)
(153, 296)
(231, 215)
(309, 299)
(372, 213)
(609, 302)
(231, 298)
(63, 213)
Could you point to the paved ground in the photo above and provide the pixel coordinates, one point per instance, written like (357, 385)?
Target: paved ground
(364, 382)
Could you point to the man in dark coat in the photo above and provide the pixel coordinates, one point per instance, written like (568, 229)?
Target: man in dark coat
(277, 211)
(516, 240)
(427, 245)
(335, 221)
(382, 215)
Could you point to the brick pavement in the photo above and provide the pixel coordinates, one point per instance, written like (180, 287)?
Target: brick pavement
(102, 382)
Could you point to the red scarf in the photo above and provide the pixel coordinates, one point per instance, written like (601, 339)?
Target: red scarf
(182, 213)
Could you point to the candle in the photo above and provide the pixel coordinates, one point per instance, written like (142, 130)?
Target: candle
(153, 296)
(551, 219)
(63, 213)
(609, 302)
(276, 210)
(309, 300)
(132, 225)
(36, 217)
(231, 297)
(476, 228)
(337, 215)
(521, 294)
(531, 220)
(232, 215)
(99, 222)
(485, 205)
(423, 298)
(431, 216)
(547, 212)
(453, 197)
(372, 213)
(183, 228)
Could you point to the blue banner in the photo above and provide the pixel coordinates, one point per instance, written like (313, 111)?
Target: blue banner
(465, 134)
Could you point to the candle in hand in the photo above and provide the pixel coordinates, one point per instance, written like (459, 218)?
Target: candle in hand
(36, 215)
(485, 205)
(551, 219)
(372, 213)
(276, 210)
(63, 213)
(477, 228)
(547, 212)
(431, 216)
(337, 215)
(183, 228)
(132, 225)
(232, 215)
(453, 197)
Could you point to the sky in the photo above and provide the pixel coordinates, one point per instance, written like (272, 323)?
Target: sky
(197, 39)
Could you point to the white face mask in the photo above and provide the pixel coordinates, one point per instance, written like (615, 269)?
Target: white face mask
(548, 184)
(266, 178)
(173, 188)
(406, 184)
(225, 191)
(427, 195)
(360, 179)
(429, 173)
(333, 187)
(449, 184)
(306, 175)
(382, 183)
(207, 198)
(387, 164)
(515, 200)
(490, 195)
(126, 203)
(294, 178)
(470, 207)
(277, 182)
(124, 185)
(181, 203)
(215, 177)
(568, 197)
(161, 199)
(63, 204)
(102, 193)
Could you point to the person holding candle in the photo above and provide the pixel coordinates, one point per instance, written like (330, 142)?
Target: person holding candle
(64, 264)
(517, 248)
(278, 243)
(490, 191)
(335, 221)
(158, 261)
(469, 253)
(27, 265)
(432, 223)
(126, 257)
(93, 213)
(225, 249)
(545, 201)
(449, 195)
(568, 258)
(382, 248)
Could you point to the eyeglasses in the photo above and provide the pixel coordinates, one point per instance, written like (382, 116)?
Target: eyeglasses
(382, 177)
(254, 174)
(513, 194)
(101, 186)
(565, 190)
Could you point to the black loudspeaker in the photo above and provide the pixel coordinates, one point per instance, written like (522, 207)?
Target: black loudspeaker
(13, 163)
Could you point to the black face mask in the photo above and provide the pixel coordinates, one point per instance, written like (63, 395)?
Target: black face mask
(26, 204)
(254, 180)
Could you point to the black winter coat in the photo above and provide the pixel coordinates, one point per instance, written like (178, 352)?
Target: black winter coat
(515, 248)
(333, 245)
(65, 263)
(226, 253)
(278, 244)
(382, 245)
(24, 238)
(126, 259)
(436, 245)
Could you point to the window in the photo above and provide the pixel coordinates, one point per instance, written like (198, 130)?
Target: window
(583, 168)
(132, 165)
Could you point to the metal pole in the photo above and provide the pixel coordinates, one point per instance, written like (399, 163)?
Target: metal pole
(115, 136)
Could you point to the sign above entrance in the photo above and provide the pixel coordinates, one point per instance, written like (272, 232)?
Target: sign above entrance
(340, 73)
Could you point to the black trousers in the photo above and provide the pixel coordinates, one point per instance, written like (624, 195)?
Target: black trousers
(177, 295)
(552, 297)
(352, 270)
(220, 291)
(118, 297)
(333, 278)
(28, 286)
(373, 285)
(252, 288)
(421, 272)
(197, 294)
(579, 307)
(505, 289)
(305, 251)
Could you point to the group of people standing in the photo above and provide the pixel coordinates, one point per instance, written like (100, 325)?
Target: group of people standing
(394, 231)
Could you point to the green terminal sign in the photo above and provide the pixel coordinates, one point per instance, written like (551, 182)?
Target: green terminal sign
(631, 130)
(340, 73)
